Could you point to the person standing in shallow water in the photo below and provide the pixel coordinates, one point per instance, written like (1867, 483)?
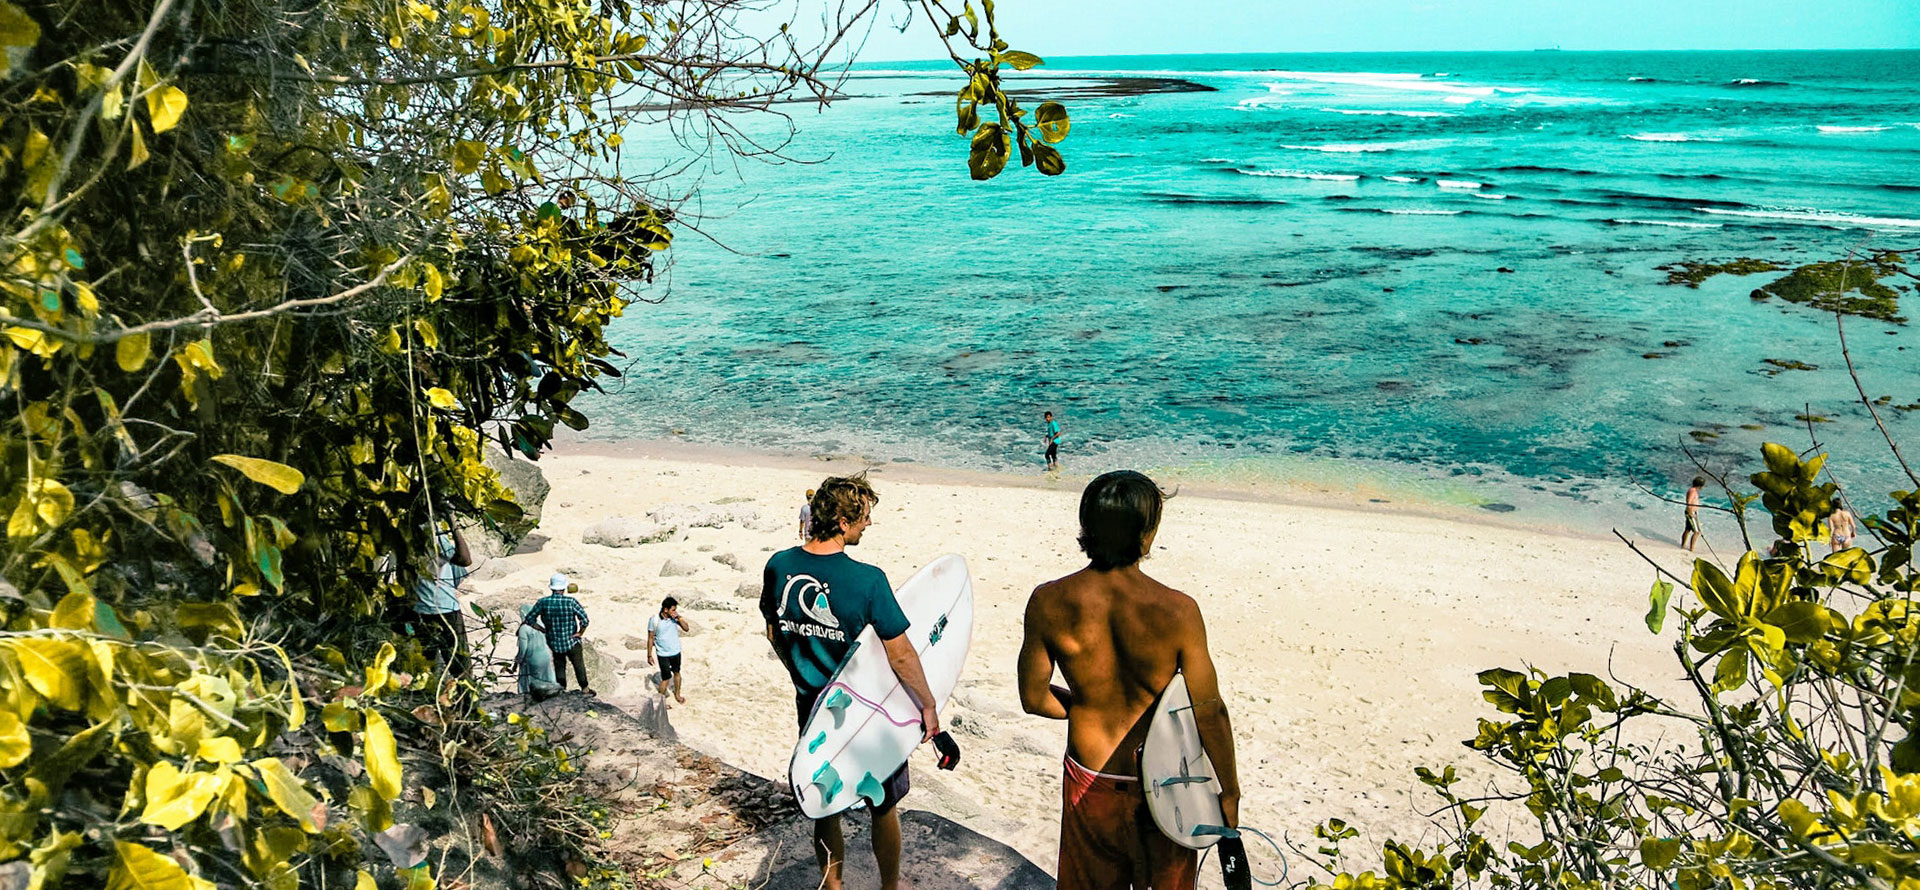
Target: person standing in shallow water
(1690, 535)
(817, 601)
(1118, 636)
(1053, 442)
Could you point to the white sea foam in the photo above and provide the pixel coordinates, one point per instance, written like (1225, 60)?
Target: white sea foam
(1345, 148)
(1216, 160)
(1377, 112)
(1424, 212)
(1821, 217)
(1672, 137)
(1304, 174)
(1459, 184)
(1401, 178)
(1490, 196)
(1381, 81)
(1668, 223)
(1119, 114)
(1458, 100)
(1826, 128)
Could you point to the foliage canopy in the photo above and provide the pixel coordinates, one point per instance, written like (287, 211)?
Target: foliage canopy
(283, 283)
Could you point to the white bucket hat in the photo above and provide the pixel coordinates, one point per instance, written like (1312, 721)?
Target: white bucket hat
(557, 582)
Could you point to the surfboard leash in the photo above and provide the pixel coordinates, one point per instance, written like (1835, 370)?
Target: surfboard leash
(1234, 868)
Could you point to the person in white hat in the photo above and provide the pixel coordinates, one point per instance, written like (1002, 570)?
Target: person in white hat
(565, 621)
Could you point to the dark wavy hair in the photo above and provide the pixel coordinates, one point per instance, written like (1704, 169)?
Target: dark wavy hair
(1116, 513)
(839, 498)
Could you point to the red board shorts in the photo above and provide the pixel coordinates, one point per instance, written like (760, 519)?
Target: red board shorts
(1109, 842)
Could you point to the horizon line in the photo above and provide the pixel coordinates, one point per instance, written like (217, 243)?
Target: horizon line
(1413, 52)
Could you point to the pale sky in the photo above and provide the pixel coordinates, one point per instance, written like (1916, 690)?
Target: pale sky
(1127, 27)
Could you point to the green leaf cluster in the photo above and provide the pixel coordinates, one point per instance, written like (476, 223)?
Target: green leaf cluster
(1803, 769)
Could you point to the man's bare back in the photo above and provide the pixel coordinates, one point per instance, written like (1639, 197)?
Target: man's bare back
(1118, 636)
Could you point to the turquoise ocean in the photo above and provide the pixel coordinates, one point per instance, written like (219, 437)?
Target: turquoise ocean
(1428, 275)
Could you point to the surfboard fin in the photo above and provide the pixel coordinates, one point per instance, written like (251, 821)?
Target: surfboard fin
(837, 704)
(871, 789)
(827, 779)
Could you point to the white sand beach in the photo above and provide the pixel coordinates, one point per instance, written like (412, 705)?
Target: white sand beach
(1347, 638)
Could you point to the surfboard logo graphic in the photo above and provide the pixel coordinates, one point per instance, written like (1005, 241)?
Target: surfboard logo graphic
(810, 595)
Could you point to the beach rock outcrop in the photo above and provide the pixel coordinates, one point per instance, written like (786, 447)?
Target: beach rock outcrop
(730, 561)
(682, 516)
(674, 568)
(627, 531)
(748, 589)
(529, 487)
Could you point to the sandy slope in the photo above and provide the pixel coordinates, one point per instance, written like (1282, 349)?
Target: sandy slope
(1347, 638)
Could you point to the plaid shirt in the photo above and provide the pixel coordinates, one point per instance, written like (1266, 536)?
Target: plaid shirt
(562, 616)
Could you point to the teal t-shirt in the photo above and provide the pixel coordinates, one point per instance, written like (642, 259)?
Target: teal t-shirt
(818, 606)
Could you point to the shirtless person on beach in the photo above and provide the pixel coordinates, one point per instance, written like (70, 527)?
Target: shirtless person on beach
(1118, 636)
(1841, 528)
(1690, 535)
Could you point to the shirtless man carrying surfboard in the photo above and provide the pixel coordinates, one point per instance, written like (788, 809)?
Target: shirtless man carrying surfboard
(1118, 636)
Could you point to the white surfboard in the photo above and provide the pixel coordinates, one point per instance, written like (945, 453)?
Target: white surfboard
(1183, 792)
(865, 724)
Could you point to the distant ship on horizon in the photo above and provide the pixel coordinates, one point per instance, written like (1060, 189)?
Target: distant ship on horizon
(1548, 49)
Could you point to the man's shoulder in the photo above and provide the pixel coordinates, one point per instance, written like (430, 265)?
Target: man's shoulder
(783, 558)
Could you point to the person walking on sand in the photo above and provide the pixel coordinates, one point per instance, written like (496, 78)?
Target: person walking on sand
(1053, 442)
(663, 640)
(1841, 527)
(817, 601)
(565, 622)
(1690, 535)
(806, 515)
(1117, 637)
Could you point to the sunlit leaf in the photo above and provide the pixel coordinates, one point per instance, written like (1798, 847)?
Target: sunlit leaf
(272, 474)
(140, 868)
(383, 759)
(287, 793)
(132, 350)
(164, 107)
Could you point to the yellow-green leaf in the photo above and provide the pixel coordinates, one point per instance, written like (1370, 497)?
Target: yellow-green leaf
(75, 612)
(140, 868)
(219, 749)
(272, 474)
(15, 744)
(54, 668)
(175, 798)
(164, 107)
(383, 757)
(377, 672)
(442, 399)
(364, 881)
(287, 793)
(136, 155)
(467, 156)
(132, 351)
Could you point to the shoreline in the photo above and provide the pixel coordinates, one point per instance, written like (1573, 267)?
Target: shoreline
(1373, 496)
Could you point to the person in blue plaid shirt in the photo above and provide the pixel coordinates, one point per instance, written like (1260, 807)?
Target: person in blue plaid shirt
(565, 621)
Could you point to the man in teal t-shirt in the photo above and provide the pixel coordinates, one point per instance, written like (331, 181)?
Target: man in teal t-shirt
(817, 601)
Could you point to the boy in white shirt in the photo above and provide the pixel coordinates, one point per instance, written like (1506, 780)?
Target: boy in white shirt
(663, 640)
